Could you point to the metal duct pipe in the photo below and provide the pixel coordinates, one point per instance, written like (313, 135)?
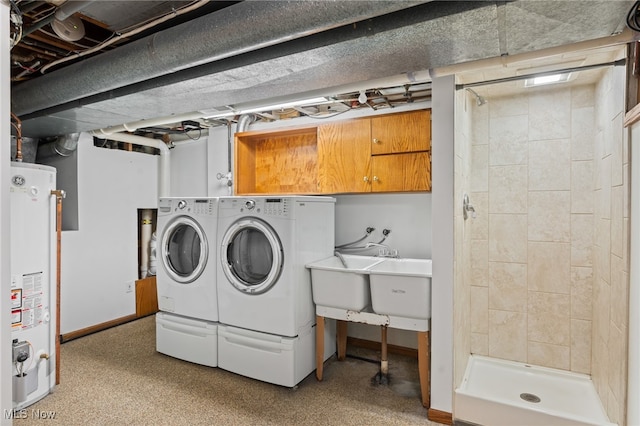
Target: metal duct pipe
(202, 40)
(164, 179)
(61, 146)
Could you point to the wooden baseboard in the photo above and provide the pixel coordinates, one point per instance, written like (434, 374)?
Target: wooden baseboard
(439, 416)
(370, 344)
(95, 328)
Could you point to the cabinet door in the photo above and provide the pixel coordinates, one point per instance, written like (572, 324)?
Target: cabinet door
(401, 172)
(403, 132)
(344, 152)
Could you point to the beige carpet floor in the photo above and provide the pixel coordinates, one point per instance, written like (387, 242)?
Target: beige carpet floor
(116, 377)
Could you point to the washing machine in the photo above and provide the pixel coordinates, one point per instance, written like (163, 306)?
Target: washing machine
(266, 311)
(186, 326)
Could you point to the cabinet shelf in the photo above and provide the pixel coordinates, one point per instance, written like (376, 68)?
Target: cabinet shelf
(387, 153)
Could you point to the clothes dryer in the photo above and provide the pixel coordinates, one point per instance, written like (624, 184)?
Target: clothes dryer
(265, 242)
(265, 305)
(186, 276)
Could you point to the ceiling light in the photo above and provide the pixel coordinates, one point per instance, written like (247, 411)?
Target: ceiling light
(546, 79)
(363, 97)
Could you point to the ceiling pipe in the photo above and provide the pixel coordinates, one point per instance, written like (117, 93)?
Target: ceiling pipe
(164, 172)
(203, 40)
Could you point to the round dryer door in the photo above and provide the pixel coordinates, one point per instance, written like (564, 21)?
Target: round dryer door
(184, 249)
(251, 255)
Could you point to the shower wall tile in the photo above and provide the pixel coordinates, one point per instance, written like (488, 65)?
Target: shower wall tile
(617, 160)
(549, 216)
(549, 267)
(582, 133)
(581, 346)
(479, 173)
(508, 140)
(581, 293)
(508, 335)
(508, 238)
(549, 171)
(548, 320)
(619, 288)
(508, 286)
(547, 355)
(582, 239)
(479, 263)
(479, 310)
(508, 106)
(549, 114)
(582, 96)
(480, 343)
(507, 189)
(582, 196)
(617, 220)
(479, 227)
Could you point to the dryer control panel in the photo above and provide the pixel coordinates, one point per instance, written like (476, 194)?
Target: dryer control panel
(269, 206)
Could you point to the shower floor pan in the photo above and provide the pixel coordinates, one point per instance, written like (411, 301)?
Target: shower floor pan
(497, 392)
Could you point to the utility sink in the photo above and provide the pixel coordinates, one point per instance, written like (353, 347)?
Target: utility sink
(336, 286)
(401, 287)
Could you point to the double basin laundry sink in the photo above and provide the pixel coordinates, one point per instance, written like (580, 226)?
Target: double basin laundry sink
(391, 286)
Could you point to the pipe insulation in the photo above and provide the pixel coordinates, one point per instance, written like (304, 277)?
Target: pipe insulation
(200, 41)
(164, 172)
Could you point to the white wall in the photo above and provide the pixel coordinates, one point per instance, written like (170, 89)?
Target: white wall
(442, 172)
(633, 395)
(102, 256)
(5, 306)
(189, 168)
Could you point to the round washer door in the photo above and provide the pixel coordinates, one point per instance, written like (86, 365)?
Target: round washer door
(251, 255)
(184, 249)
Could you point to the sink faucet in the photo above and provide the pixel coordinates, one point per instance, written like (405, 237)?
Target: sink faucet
(339, 255)
(383, 250)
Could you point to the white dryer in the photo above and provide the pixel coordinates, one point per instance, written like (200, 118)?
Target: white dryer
(186, 276)
(186, 327)
(266, 311)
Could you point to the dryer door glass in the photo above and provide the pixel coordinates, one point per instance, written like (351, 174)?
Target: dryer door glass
(184, 250)
(251, 256)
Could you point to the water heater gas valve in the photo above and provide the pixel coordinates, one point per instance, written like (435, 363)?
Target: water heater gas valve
(20, 351)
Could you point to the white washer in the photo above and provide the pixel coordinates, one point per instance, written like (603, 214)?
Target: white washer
(267, 316)
(187, 327)
(186, 276)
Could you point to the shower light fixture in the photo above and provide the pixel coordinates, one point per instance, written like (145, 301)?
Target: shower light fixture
(547, 79)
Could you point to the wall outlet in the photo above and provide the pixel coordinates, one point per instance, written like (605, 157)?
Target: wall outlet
(128, 287)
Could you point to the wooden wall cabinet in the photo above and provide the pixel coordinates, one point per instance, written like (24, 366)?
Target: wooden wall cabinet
(386, 153)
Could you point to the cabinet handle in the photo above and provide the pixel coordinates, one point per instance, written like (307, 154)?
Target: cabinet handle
(366, 179)
(375, 178)
(375, 140)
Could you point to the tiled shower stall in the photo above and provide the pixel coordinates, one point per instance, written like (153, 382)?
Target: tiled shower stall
(542, 271)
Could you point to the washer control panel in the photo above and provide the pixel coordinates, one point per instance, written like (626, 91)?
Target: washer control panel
(275, 207)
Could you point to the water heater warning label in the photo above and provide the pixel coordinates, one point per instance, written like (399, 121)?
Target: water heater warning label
(27, 307)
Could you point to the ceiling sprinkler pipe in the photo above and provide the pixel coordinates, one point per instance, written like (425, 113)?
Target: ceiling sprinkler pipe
(164, 181)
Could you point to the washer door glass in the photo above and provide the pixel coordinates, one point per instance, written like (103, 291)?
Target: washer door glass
(251, 255)
(184, 249)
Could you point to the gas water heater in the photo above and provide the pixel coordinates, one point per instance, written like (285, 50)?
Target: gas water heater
(33, 289)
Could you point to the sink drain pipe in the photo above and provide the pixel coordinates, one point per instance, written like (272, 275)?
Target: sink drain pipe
(382, 377)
